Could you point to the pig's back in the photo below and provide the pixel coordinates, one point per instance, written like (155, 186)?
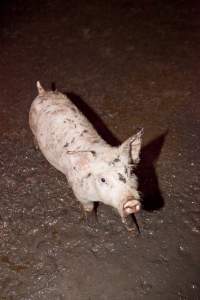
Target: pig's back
(59, 127)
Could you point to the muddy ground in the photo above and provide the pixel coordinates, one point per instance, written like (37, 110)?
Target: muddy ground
(128, 64)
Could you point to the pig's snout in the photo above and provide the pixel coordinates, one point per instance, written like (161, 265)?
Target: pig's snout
(131, 206)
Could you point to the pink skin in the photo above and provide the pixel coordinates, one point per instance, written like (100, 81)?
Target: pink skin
(131, 206)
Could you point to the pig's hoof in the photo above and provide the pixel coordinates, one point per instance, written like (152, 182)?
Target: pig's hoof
(131, 229)
(129, 224)
(90, 218)
(36, 146)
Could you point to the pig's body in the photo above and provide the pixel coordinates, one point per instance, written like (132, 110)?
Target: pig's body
(59, 128)
(72, 145)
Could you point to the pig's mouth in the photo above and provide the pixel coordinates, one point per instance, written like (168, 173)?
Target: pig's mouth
(131, 206)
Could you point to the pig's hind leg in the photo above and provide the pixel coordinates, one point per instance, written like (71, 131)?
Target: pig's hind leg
(35, 143)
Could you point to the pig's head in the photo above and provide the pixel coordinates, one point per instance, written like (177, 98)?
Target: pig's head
(108, 176)
(114, 178)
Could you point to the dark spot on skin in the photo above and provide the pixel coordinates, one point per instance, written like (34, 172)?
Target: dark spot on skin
(114, 161)
(74, 168)
(66, 145)
(93, 153)
(126, 170)
(122, 178)
(84, 131)
(57, 111)
(95, 141)
(88, 175)
(72, 141)
(69, 120)
(117, 159)
(73, 109)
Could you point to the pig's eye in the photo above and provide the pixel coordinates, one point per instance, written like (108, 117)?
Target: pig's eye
(103, 180)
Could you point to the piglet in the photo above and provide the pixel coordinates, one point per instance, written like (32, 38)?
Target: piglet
(96, 171)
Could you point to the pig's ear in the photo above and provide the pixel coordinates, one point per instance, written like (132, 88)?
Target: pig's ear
(82, 159)
(130, 149)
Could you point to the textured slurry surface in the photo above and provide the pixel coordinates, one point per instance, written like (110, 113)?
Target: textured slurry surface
(126, 65)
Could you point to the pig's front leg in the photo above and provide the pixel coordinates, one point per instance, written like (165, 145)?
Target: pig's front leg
(89, 213)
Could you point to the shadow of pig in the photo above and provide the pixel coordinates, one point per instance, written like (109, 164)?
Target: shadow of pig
(152, 198)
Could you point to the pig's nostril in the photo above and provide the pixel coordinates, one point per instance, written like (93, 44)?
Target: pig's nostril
(131, 206)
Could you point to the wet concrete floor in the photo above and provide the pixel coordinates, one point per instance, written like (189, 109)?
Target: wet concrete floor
(130, 64)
